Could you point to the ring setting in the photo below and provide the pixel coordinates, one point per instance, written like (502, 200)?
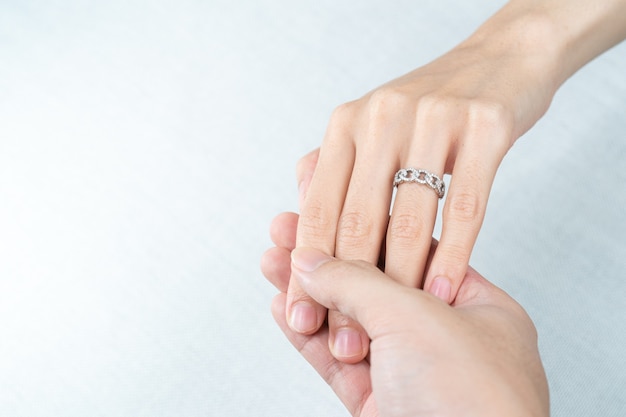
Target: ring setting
(420, 176)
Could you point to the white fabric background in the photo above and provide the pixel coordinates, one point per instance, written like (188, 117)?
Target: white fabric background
(145, 146)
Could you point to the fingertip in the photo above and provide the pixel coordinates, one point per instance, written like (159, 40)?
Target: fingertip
(265, 262)
(278, 306)
(441, 288)
(306, 165)
(304, 317)
(467, 288)
(304, 174)
(447, 269)
(349, 345)
(283, 230)
(308, 259)
(445, 285)
(276, 267)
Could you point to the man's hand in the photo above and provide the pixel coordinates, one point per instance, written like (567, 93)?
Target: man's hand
(477, 357)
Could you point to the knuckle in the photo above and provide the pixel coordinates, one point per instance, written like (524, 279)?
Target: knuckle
(330, 371)
(405, 227)
(435, 108)
(315, 223)
(297, 295)
(482, 118)
(488, 111)
(343, 116)
(433, 102)
(384, 96)
(354, 229)
(465, 207)
(307, 163)
(384, 104)
(489, 118)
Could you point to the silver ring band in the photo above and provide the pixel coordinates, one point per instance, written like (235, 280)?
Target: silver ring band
(420, 176)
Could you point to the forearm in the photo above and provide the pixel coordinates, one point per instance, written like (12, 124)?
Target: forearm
(560, 36)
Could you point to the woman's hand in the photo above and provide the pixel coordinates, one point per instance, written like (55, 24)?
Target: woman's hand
(460, 115)
(476, 358)
(457, 115)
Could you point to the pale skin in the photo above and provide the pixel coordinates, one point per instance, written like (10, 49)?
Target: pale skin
(458, 115)
(477, 357)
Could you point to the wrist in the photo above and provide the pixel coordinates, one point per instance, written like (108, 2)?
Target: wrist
(528, 37)
(555, 37)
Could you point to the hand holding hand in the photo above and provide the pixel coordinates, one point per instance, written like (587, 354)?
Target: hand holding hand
(459, 115)
(477, 357)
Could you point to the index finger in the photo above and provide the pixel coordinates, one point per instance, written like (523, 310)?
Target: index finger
(320, 212)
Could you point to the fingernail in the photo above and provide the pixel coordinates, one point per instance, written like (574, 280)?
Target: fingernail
(441, 288)
(308, 259)
(303, 317)
(347, 344)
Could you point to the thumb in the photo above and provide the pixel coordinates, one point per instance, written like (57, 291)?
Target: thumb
(357, 289)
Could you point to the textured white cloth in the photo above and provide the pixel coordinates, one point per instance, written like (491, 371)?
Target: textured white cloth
(145, 147)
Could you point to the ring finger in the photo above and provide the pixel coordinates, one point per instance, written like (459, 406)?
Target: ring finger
(413, 215)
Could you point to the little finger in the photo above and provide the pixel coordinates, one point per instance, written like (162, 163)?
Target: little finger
(463, 214)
